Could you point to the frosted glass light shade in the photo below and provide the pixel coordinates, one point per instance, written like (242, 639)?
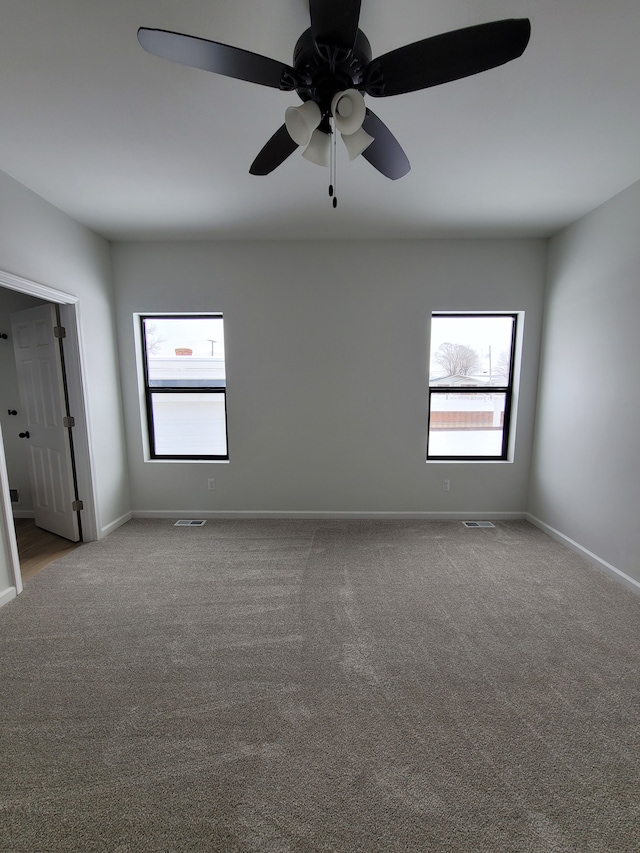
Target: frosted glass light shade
(302, 121)
(317, 151)
(357, 142)
(348, 109)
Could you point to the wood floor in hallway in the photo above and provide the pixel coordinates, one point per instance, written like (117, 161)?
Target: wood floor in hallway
(38, 548)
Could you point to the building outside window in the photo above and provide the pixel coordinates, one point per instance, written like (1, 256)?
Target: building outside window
(470, 386)
(185, 386)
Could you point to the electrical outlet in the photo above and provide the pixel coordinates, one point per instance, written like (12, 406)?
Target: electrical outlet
(211, 484)
(446, 485)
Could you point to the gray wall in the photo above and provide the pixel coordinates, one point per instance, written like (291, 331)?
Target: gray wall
(585, 476)
(40, 243)
(326, 347)
(15, 449)
(326, 360)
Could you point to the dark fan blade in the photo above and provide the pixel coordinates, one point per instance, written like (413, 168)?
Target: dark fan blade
(334, 23)
(219, 58)
(446, 57)
(384, 153)
(276, 151)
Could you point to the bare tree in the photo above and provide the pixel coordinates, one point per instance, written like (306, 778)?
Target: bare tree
(503, 364)
(153, 338)
(456, 359)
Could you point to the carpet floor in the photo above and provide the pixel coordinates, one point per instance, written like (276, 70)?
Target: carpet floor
(299, 686)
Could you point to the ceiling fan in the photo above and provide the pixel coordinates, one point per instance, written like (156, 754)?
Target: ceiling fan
(332, 69)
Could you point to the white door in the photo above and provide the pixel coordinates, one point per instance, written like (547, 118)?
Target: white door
(42, 395)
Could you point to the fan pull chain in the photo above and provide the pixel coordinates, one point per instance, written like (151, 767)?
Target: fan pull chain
(335, 167)
(330, 173)
(330, 158)
(333, 171)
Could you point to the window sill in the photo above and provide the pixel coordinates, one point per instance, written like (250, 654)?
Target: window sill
(187, 461)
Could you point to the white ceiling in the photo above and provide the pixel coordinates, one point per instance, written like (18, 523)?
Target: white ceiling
(136, 147)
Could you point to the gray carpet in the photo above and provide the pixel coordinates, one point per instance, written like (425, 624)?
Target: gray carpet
(291, 686)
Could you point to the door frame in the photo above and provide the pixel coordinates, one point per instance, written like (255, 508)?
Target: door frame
(82, 443)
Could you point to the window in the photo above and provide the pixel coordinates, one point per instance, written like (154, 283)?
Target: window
(470, 385)
(185, 386)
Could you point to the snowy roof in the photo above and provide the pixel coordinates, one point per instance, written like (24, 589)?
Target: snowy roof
(472, 381)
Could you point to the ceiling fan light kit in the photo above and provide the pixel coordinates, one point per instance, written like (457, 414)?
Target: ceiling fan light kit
(348, 110)
(317, 151)
(356, 143)
(302, 121)
(332, 71)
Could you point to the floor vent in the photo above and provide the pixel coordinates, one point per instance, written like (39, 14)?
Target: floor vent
(478, 524)
(190, 522)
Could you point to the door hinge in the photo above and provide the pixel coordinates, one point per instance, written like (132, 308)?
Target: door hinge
(77, 505)
(68, 421)
(59, 332)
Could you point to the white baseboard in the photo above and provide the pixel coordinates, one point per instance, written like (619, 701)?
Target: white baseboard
(23, 513)
(114, 525)
(594, 559)
(7, 595)
(424, 516)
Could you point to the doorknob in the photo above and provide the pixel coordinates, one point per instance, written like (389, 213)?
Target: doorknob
(24, 434)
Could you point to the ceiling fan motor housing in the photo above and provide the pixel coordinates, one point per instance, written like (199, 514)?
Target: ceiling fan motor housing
(325, 70)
